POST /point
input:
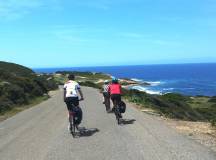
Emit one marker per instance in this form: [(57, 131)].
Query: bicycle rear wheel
[(118, 115), (73, 129)]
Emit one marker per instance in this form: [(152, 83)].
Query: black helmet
[(71, 77)]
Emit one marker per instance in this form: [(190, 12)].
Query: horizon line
[(126, 65)]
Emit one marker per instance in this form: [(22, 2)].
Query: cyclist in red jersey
[(115, 92)]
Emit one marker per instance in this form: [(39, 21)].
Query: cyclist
[(115, 93), (71, 98), (106, 95)]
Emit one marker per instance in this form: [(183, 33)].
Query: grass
[(17, 109), (82, 77)]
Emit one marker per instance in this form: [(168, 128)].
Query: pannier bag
[(77, 115), (122, 107)]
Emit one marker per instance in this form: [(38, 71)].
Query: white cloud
[(13, 9)]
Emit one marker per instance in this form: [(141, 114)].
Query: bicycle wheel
[(73, 128), (117, 114)]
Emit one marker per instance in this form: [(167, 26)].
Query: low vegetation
[(83, 76), (20, 85), (176, 106), (90, 84)]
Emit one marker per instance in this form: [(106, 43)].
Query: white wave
[(143, 89), (168, 89), (154, 83), (136, 80)]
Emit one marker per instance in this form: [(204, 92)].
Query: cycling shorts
[(116, 97), (71, 102)]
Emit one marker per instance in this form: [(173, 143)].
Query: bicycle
[(73, 120), (117, 112)]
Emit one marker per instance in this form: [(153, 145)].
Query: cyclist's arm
[(64, 95), (81, 94)]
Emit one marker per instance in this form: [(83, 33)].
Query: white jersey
[(71, 88), (106, 88)]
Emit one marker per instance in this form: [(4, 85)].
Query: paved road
[(40, 133)]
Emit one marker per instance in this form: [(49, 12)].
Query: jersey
[(106, 88), (71, 88), (115, 89)]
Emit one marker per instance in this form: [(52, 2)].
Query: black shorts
[(116, 97), (71, 102)]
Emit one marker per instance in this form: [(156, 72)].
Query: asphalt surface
[(41, 133)]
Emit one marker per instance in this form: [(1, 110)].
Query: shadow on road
[(127, 121), (87, 132)]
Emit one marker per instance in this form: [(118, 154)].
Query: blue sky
[(67, 33)]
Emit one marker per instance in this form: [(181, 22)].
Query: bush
[(213, 122), (212, 99), (89, 84), (5, 104), (16, 94), (18, 85)]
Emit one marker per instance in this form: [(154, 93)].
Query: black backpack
[(77, 115), (122, 107)]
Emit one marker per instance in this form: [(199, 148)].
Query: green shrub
[(213, 122), (212, 99), (90, 84), (18, 85)]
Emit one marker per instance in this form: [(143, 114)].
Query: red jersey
[(115, 89)]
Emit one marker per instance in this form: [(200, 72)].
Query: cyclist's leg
[(107, 101), (69, 102), (118, 99), (115, 105)]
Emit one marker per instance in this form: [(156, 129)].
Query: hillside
[(19, 85), (15, 69)]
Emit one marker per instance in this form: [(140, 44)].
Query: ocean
[(187, 79)]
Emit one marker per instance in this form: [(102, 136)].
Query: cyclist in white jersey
[(71, 98), (106, 95)]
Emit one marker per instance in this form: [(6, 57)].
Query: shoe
[(69, 127), (110, 111)]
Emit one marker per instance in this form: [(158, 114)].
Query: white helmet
[(106, 81)]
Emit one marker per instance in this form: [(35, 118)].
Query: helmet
[(71, 77), (106, 81), (114, 80)]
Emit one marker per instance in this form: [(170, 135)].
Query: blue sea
[(187, 79)]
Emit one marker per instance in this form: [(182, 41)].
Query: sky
[(73, 33)]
